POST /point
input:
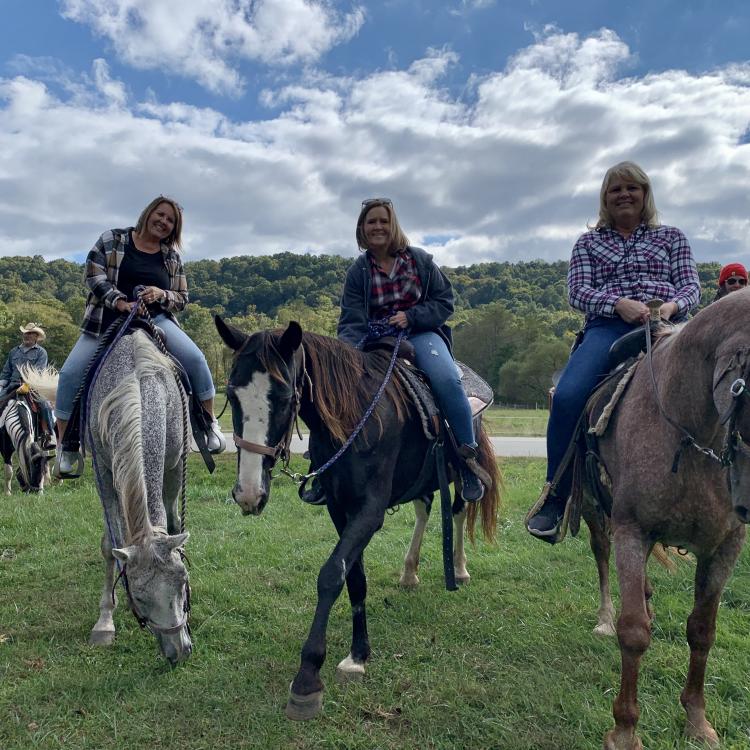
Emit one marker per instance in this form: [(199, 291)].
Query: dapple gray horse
[(677, 462), (137, 433)]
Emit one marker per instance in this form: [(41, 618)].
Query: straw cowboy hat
[(33, 328)]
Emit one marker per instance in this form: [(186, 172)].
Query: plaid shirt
[(101, 271), (652, 263), (398, 291)]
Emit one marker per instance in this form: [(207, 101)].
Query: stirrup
[(68, 474), (562, 525)]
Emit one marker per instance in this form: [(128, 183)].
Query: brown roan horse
[(703, 506)]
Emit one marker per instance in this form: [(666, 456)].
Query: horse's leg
[(409, 578), (459, 554), (103, 632), (8, 478), (353, 666), (600, 546), (306, 691), (633, 633), (710, 577)]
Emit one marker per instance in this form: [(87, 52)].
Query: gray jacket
[(432, 311), (36, 356)]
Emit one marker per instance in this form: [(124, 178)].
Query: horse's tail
[(121, 422), (489, 506), (43, 381)]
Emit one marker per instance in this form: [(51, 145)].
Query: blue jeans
[(434, 358), (178, 343), (587, 365)]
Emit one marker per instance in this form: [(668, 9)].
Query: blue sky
[(489, 123)]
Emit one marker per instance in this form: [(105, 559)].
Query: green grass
[(497, 421), (507, 662)]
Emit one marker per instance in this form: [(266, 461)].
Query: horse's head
[(263, 391), (157, 583), (731, 394)]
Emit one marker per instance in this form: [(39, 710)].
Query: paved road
[(504, 446)]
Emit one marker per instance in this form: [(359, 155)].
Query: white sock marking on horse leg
[(459, 553), (349, 669), (409, 576), (8, 478)]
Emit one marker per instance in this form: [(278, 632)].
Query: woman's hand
[(399, 320), (123, 306), (668, 309), (152, 294), (632, 311)]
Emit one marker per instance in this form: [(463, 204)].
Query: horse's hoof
[(605, 629), (705, 734), (615, 740), (349, 670), (101, 638), (408, 581), (463, 579), (303, 707)]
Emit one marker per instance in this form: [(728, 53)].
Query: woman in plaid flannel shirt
[(145, 255), (625, 261), (398, 283)]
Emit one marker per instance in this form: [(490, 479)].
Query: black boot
[(314, 494), (472, 488), (546, 518)]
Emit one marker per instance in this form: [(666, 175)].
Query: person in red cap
[(732, 278)]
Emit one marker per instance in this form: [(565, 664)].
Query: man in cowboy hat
[(28, 351)]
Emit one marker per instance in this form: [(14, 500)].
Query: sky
[(488, 123)]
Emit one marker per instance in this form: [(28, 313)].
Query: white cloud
[(207, 39), (512, 174)]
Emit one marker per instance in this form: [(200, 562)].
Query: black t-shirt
[(138, 268)]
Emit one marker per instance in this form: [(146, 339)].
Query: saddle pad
[(477, 390)]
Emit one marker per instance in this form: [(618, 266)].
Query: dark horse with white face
[(333, 384)]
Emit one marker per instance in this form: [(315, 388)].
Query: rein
[(733, 439)]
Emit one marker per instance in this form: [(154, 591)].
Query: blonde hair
[(397, 240), (628, 170), (174, 240)]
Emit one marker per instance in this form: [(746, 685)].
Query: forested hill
[(512, 321)]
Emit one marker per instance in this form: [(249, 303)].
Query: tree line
[(512, 322)]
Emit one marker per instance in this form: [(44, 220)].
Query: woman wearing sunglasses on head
[(145, 255), (732, 278), (627, 260), (399, 284)]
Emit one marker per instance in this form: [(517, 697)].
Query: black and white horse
[(332, 383), (20, 433)]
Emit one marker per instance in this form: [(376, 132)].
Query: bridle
[(733, 440), (281, 449), (147, 623)]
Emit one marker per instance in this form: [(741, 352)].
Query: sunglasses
[(732, 280), (376, 201)]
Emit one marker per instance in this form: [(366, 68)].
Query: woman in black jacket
[(400, 285)]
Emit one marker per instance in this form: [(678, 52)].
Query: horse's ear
[(123, 554), (177, 540), (232, 337), (290, 339)]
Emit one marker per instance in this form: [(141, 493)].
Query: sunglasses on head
[(732, 280), (376, 202)]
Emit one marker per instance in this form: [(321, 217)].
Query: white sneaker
[(215, 439), (68, 465)]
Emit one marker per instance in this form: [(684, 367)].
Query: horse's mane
[(120, 423), (344, 380)]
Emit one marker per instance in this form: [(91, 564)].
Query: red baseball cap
[(732, 269)]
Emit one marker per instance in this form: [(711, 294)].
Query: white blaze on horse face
[(256, 415)]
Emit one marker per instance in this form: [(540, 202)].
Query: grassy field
[(506, 422), (507, 662)]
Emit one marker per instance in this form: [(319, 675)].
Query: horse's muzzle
[(250, 503)]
